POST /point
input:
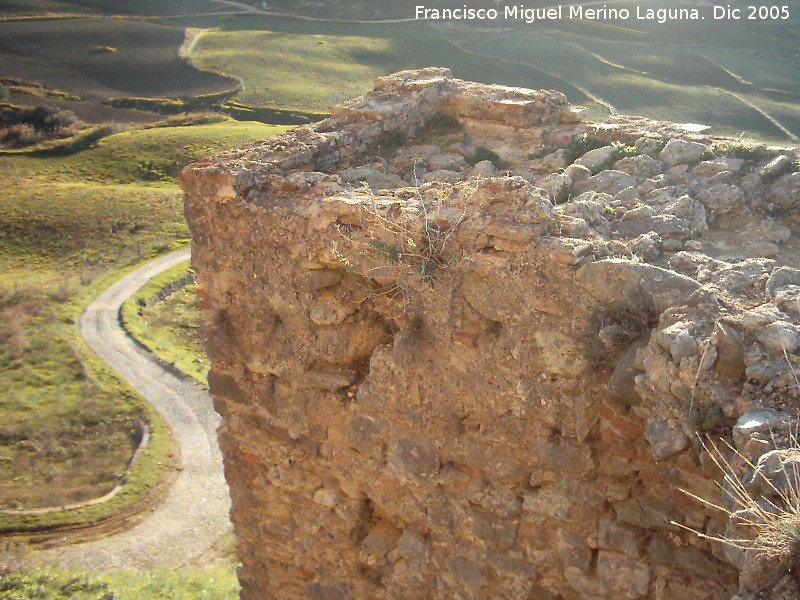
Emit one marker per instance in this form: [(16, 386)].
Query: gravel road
[(194, 514)]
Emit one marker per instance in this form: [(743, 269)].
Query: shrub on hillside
[(440, 124), (25, 126), (21, 134)]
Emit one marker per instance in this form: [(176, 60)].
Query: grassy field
[(104, 58), (50, 584), (644, 72), (60, 406), (298, 65), (652, 71), (68, 227), (170, 325)]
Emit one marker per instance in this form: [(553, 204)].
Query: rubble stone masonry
[(456, 359)]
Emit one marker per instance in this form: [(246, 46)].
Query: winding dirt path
[(194, 515)]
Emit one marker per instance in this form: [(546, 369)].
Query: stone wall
[(446, 381)]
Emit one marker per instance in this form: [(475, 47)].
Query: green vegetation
[(564, 195), (622, 150), (69, 226), (52, 584), (21, 127), (482, 153), (439, 124), (165, 317), (747, 150), (116, 159), (11, 85), (69, 421), (86, 138), (303, 72), (389, 141), (580, 146), (307, 66)]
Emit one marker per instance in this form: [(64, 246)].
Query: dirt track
[(194, 514)]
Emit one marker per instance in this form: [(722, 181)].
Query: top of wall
[(400, 104)]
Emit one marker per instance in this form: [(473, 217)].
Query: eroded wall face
[(450, 438)]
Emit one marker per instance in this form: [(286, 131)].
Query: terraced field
[(100, 58)]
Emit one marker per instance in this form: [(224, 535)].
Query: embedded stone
[(784, 193), (466, 571), (666, 438), (381, 539), (730, 365), (597, 157), (620, 282), (751, 425), (606, 182), (613, 535), (577, 172), (679, 151), (775, 168), (620, 575), (498, 532), (413, 458), (781, 278), (621, 386)]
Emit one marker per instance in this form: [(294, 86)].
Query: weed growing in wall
[(744, 149), (772, 520), (580, 146), (439, 124), (403, 240), (483, 153)]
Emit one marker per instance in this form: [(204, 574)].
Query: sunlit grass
[(301, 72), (172, 326), (54, 584)]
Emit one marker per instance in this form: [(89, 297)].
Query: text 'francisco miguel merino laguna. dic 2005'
[(521, 13)]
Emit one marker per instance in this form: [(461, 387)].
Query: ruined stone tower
[(440, 380)]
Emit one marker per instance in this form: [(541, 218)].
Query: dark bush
[(25, 126), (440, 124), (483, 153)]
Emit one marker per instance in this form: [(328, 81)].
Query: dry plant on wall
[(402, 242), (766, 509), (772, 520)]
